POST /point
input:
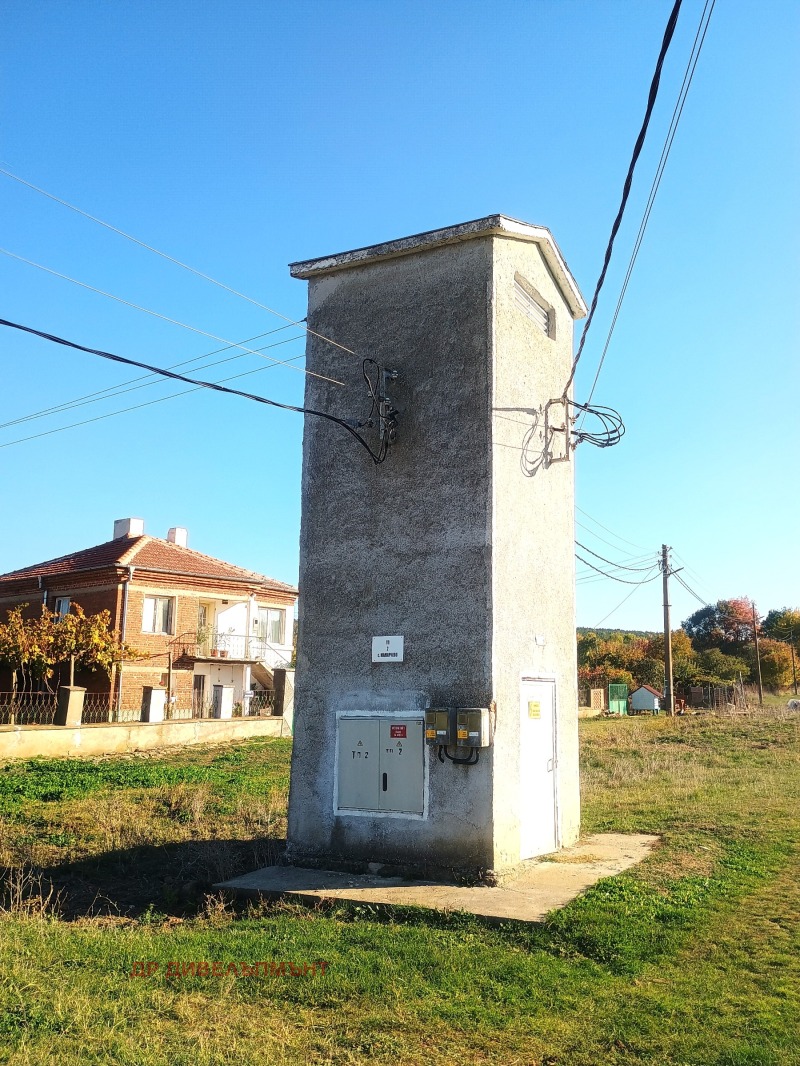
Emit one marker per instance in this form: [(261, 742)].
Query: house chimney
[(128, 527), (178, 535)]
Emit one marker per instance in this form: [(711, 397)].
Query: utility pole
[(790, 641), (668, 689), (758, 659)]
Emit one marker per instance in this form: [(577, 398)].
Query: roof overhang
[(491, 225)]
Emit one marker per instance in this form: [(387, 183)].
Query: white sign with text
[(387, 649)]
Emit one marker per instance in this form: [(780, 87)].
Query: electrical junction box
[(473, 729), (458, 727), (380, 765), (438, 727)]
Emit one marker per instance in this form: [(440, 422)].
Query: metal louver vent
[(531, 307)]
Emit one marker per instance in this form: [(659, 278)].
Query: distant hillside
[(609, 634)]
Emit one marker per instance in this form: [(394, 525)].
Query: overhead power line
[(157, 314), (134, 407), (621, 603), (348, 426), (611, 531), (691, 591), (598, 537), (688, 76), (694, 573), (618, 566), (172, 259), (611, 577), (146, 380), (626, 189)]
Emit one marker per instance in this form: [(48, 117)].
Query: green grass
[(52, 780), (690, 958)]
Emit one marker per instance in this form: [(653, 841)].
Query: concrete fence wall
[(31, 741)]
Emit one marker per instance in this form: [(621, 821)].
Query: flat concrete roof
[(526, 894), (491, 225)]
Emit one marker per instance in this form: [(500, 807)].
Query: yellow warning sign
[(463, 734), (534, 709)]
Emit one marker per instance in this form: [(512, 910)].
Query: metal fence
[(39, 708)]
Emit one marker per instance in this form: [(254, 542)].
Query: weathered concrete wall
[(399, 548), (533, 552), (447, 543), (28, 742)]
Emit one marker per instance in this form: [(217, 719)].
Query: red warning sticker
[(397, 732)]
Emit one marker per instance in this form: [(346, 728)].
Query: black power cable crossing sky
[(612, 577), (626, 189), (351, 427), (688, 77), (128, 386), (617, 566)]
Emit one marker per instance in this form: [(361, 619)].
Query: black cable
[(377, 457), (139, 406), (469, 761), (124, 387), (680, 580), (651, 100), (613, 427), (688, 77), (622, 580), (619, 566), (611, 531)]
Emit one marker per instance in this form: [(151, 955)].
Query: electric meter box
[(380, 765), (472, 727), (438, 725)]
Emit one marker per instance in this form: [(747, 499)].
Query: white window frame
[(273, 615), (59, 608), (153, 615)]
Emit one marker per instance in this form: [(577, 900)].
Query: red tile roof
[(147, 553)]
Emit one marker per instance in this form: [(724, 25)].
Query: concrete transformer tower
[(436, 721)]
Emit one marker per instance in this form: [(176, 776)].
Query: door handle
[(384, 782)]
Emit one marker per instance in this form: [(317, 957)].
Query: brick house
[(202, 621)]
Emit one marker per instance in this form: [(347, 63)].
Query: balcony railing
[(239, 646)]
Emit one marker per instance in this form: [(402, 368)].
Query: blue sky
[(238, 137)]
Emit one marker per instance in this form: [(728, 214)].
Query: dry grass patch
[(185, 803), (576, 859), (27, 892)]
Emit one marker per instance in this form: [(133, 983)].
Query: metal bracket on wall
[(387, 412), (551, 430)]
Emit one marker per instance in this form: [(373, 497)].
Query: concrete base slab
[(525, 894)]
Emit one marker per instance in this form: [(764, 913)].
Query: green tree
[(776, 663), (650, 672), (727, 623), (32, 647), (715, 667), (783, 624), (602, 676), (25, 647), (684, 658)]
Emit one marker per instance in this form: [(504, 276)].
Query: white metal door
[(401, 765), (538, 815), (359, 740)]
